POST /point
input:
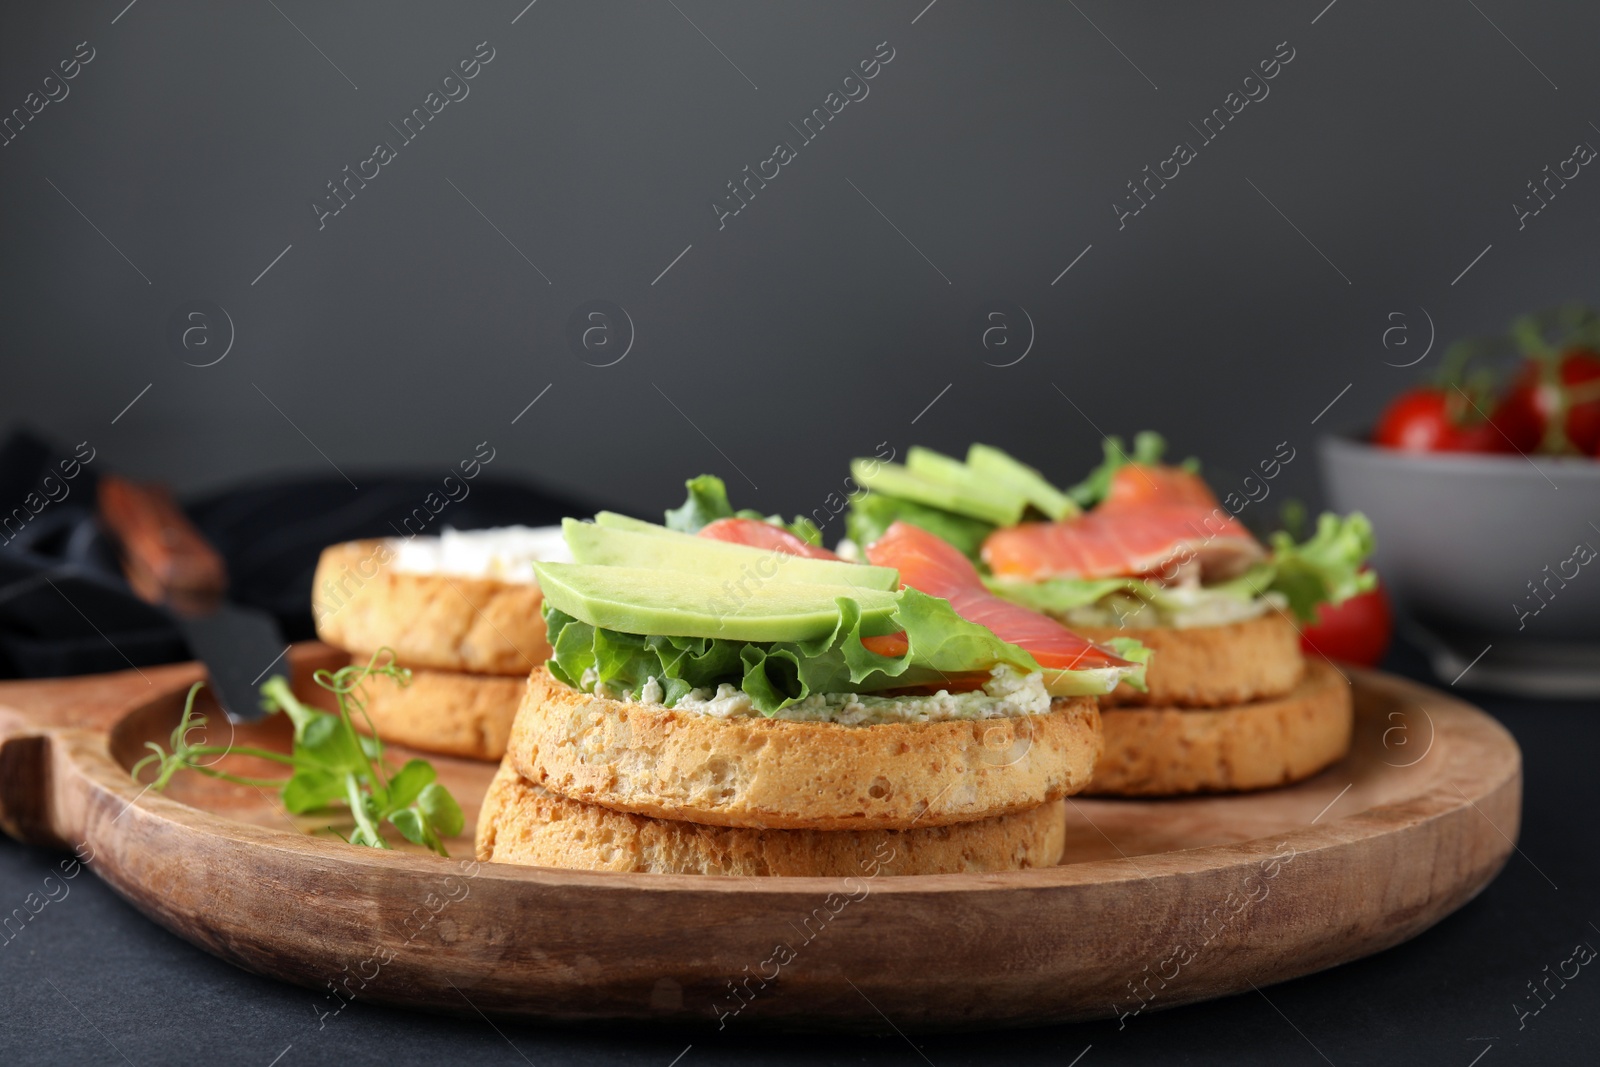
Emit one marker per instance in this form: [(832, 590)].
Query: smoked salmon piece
[(931, 565), (1139, 484), (758, 534), (1155, 522)]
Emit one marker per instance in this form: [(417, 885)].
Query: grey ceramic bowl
[(1485, 550)]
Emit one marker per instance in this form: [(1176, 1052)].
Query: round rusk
[(1170, 751), (444, 711), (441, 621), (522, 823), (1211, 666), (775, 774)]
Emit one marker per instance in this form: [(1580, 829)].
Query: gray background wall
[(826, 316)]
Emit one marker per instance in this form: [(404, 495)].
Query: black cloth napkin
[(65, 608)]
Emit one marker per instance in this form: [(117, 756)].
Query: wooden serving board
[(1157, 903)]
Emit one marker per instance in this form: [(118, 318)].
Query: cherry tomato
[(1538, 396), (1429, 420), (1523, 414), (1580, 373), (1357, 631)]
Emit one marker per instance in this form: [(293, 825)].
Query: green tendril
[(331, 764)]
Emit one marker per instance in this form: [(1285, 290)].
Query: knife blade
[(170, 564)]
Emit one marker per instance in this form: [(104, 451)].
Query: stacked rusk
[(1231, 703), (1140, 549), (461, 610), (737, 701)]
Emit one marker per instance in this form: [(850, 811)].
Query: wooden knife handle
[(166, 559)]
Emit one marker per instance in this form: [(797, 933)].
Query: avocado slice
[(1004, 469), (613, 520), (968, 496), (938, 467), (613, 547), (642, 600)]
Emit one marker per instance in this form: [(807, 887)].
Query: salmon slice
[(930, 565), (1139, 484), (1155, 522), (758, 534)]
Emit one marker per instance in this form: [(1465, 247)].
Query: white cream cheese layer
[(505, 553), (1180, 608), (1007, 694)]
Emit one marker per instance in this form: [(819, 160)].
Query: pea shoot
[(331, 763)]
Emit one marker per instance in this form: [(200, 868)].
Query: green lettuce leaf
[(1057, 596), (1252, 583), (1148, 448), (1325, 568), (801, 527), (1135, 651), (775, 675), (708, 502), (625, 662), (871, 516), (1135, 603)]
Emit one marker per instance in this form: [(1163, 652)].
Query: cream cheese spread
[(1008, 693), (505, 553)]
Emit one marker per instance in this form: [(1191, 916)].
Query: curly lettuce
[(1133, 601), (1326, 568), (1057, 596), (940, 644), (871, 516), (708, 502)]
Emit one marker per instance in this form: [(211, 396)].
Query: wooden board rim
[(80, 758)]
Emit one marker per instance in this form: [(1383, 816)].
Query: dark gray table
[(90, 980)]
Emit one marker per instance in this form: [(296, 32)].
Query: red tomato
[(1538, 396), (1426, 420), (1580, 373), (1357, 631), (1523, 414)]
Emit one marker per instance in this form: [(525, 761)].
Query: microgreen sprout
[(331, 763)]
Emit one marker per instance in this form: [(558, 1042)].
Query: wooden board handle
[(166, 559), (36, 713)]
